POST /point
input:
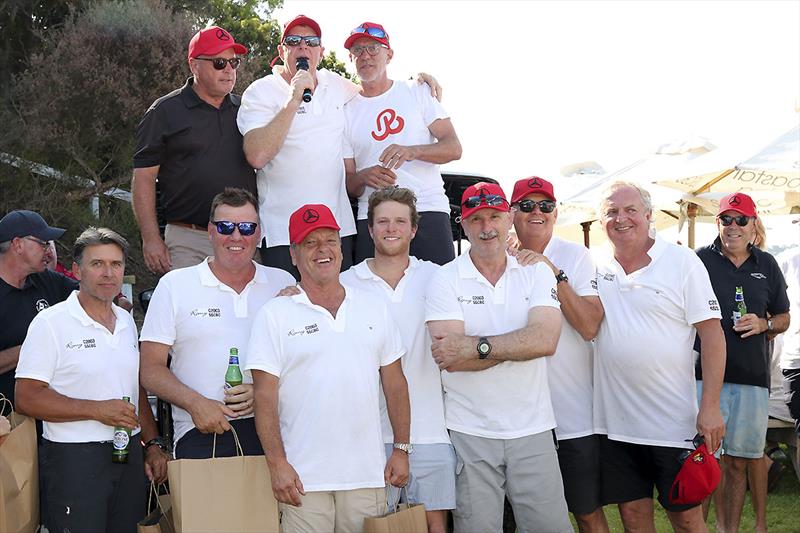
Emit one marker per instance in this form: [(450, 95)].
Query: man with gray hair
[(77, 367), (656, 297)]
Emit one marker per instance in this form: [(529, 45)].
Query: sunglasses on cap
[(491, 200), (374, 32), (220, 62), (226, 227), (545, 206), (741, 220), (372, 49), (311, 41), (696, 441)]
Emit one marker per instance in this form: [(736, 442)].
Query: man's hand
[(289, 290), (749, 325), (116, 413), (286, 484), (529, 257), (711, 426), (301, 81), (448, 349), (377, 177), (156, 256), (240, 399), (396, 471), (208, 416), (155, 464), (436, 89), (395, 155)]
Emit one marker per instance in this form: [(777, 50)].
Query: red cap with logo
[(483, 195), (308, 218), (739, 202), (697, 478), (532, 185), (211, 41), (302, 20), (368, 30)]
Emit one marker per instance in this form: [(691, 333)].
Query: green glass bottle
[(122, 441), (739, 307), (233, 376)]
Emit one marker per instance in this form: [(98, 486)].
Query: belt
[(189, 226)]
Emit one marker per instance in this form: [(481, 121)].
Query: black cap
[(22, 223)]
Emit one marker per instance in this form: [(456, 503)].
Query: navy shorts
[(579, 460)]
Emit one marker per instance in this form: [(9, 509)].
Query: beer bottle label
[(121, 439)]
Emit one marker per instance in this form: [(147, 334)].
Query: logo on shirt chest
[(41, 304), (608, 276), (758, 275), (474, 300), (305, 330), (80, 345), (211, 312), (387, 123)]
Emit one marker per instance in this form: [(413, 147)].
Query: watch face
[(483, 348)]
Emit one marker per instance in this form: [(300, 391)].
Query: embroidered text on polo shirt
[(303, 330), (79, 345), (211, 312), (475, 300)]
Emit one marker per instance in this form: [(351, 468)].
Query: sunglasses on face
[(226, 227), (220, 62), (741, 220), (374, 32), (491, 200), (372, 49), (545, 206), (311, 41)]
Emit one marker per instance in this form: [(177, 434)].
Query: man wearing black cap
[(189, 142), (26, 285)]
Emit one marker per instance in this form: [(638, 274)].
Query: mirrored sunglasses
[(741, 220), (545, 206), (226, 227), (220, 62), (374, 32), (311, 41), (491, 200)]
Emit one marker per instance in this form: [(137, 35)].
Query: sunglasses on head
[(220, 62), (311, 41), (545, 206), (741, 220), (374, 32), (226, 227), (491, 200)]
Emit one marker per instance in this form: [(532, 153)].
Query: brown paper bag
[(222, 494), (19, 474), (159, 519), (405, 518)]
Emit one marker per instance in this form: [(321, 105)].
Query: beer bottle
[(233, 376), (122, 441), (739, 308)]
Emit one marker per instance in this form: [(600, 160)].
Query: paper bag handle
[(154, 491), (239, 450), (3, 402), (396, 504)]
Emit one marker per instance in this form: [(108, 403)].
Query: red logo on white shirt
[(388, 122)]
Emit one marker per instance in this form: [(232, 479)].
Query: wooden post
[(587, 226), (691, 212)]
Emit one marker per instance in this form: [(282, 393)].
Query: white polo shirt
[(309, 167), (201, 318), (407, 307), (79, 358), (329, 385), (510, 399), (645, 390), (401, 116), (569, 371)]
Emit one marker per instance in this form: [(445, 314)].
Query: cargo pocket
[(463, 510)]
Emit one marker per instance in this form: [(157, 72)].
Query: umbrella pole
[(691, 212), (586, 228)]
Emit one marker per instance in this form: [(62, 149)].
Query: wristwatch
[(403, 447), (157, 441), (769, 324), (561, 276), (484, 348)]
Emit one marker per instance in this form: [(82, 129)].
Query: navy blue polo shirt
[(764, 289), (18, 307), (198, 149)]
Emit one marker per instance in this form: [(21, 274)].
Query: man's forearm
[(780, 323), (268, 424), (143, 194), (262, 144), (146, 419), (46, 404), (395, 389), (160, 380), (712, 360), (9, 359), (444, 151), (538, 339)]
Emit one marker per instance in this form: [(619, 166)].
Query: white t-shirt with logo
[(201, 318), (569, 371), (309, 167), (645, 389), (401, 116), (329, 384), (407, 307), (79, 358), (512, 398)]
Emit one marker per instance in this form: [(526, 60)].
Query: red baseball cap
[(738, 202), (532, 185), (368, 30), (697, 478), (211, 41), (484, 192), (301, 20), (308, 218)]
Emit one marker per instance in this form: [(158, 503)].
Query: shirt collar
[(191, 99), (208, 279), (468, 270), (79, 313), (363, 272), (716, 246)]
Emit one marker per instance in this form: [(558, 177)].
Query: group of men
[(535, 373)]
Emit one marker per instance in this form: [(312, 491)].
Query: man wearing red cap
[(493, 322), (397, 134), (293, 123), (189, 142), (319, 361), (569, 371), (751, 291)]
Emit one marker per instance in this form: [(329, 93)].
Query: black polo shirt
[(764, 289), (198, 149), (18, 307)]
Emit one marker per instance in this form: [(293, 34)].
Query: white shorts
[(432, 480)]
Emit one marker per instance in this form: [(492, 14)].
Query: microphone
[(302, 64)]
